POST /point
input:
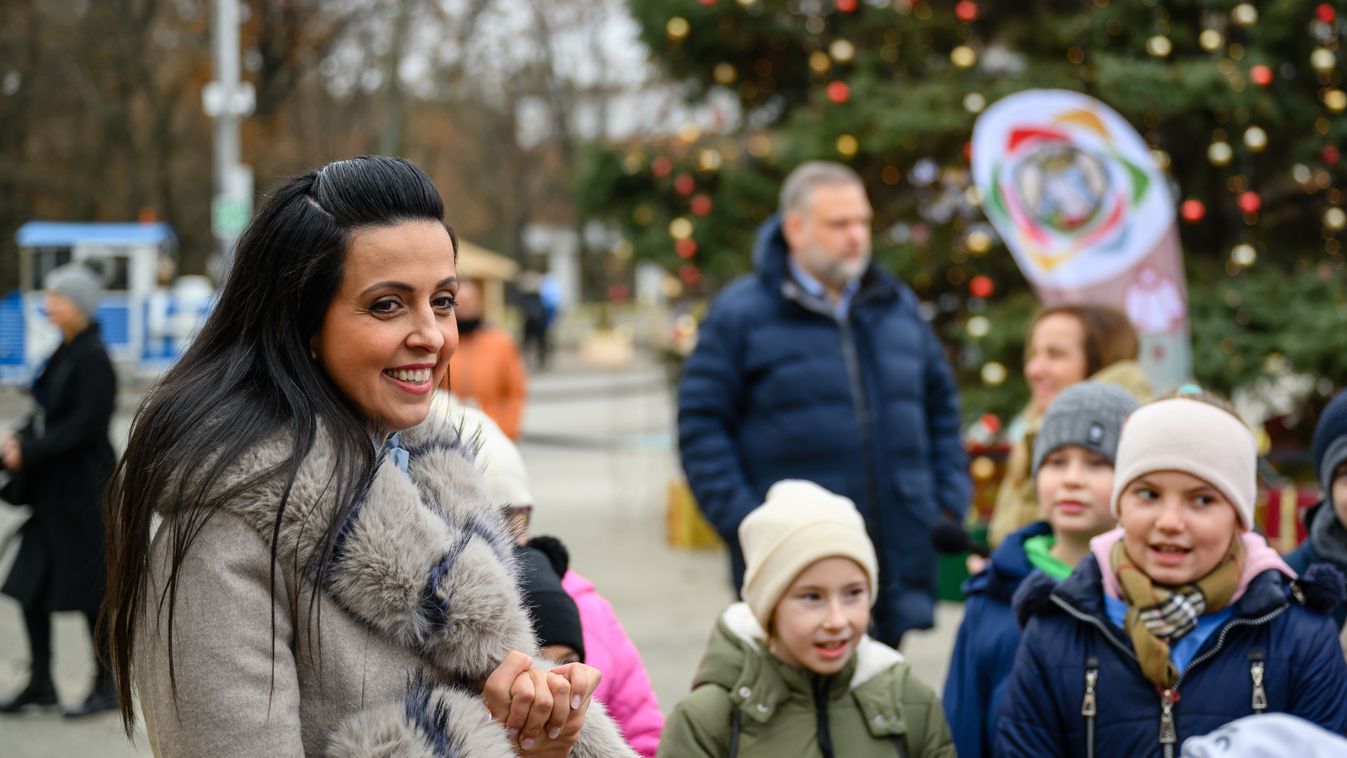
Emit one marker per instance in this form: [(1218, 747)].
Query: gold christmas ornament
[(677, 28), (1335, 100), (820, 62), (680, 228), (724, 73), (847, 145), (963, 56)]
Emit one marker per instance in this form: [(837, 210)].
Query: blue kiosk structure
[(145, 326)]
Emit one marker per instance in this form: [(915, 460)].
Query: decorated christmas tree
[(1241, 106)]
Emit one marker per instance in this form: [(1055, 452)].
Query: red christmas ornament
[(700, 205), (707, 3), (1192, 210), (981, 286), (661, 167), (686, 248), (1249, 202), (966, 10), (1325, 13), (1331, 155), (846, 6), (689, 274), (839, 92), (1261, 75), (684, 185)]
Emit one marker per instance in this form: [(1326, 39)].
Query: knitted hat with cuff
[(798, 524), (1330, 442), (1194, 437), (1088, 414)]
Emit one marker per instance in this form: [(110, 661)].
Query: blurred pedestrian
[(1073, 470), (790, 671), (61, 460), (1326, 522), (329, 577), (537, 321), (1067, 344), (820, 367), (625, 689), (486, 370), (1181, 620)]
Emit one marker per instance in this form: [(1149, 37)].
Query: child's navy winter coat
[(985, 646), (1077, 690)]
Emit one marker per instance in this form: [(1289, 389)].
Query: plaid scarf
[(1158, 616)]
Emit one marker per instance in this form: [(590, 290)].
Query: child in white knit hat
[(791, 670), (1182, 619)]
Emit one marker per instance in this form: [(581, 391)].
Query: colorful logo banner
[(1072, 189)]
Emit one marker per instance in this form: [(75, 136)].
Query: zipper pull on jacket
[(1256, 675), (1168, 733)]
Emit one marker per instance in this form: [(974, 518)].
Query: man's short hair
[(801, 182)]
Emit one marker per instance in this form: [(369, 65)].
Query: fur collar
[(424, 557)]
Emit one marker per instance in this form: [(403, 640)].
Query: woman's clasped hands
[(542, 709)]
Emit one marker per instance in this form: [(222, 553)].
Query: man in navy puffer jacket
[(819, 367)]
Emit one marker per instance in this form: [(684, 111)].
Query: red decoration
[(968, 150), (1192, 210), (684, 185), (661, 167), (1249, 202), (1326, 13), (846, 6), (839, 92), (701, 205), (1261, 75), (981, 286), (1331, 155), (686, 248), (618, 293), (689, 274), (967, 11)]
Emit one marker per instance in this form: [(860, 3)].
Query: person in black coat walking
[(60, 462)]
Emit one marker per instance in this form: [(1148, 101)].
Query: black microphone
[(950, 539)]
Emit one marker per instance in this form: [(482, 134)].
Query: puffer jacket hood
[(746, 702)]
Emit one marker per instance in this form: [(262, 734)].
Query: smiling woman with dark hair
[(329, 577)]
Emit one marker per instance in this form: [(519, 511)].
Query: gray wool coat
[(418, 607)]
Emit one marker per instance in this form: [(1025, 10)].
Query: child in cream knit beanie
[(798, 524)]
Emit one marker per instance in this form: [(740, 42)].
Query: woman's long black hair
[(249, 374)]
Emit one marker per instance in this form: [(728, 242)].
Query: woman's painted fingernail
[(554, 732), (527, 744), (575, 702)]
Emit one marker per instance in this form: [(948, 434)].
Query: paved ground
[(601, 453)]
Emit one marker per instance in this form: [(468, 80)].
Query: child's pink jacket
[(625, 689)]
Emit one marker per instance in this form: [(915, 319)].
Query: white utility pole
[(227, 100)]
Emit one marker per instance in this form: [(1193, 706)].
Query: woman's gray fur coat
[(419, 605)]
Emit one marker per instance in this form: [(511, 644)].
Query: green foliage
[(909, 104)]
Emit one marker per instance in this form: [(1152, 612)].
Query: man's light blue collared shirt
[(815, 288)]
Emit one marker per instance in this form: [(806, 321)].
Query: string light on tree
[(1243, 255), (1244, 15), (1261, 75), (1323, 60), (839, 92), (1192, 210), (847, 145), (963, 56), (966, 11), (1255, 138), (1249, 201), (1335, 100), (842, 51), (1159, 46), (1211, 40), (974, 102), (677, 28), (1335, 219), (1220, 153)]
